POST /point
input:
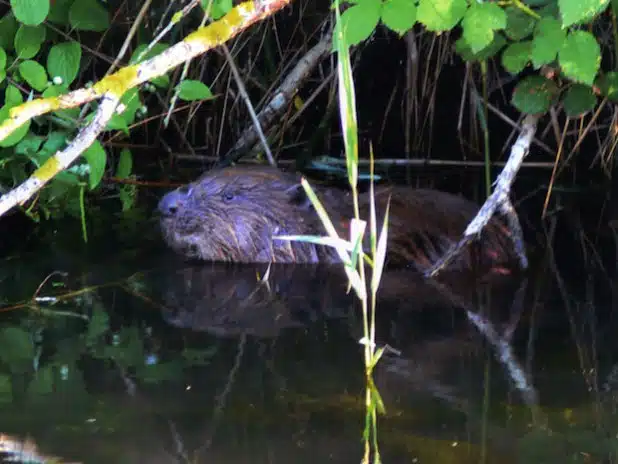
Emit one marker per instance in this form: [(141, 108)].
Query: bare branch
[(499, 199)]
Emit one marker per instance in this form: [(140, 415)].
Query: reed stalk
[(356, 261)]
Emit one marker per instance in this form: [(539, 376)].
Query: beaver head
[(231, 214)]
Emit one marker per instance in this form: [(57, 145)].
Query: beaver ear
[(298, 197)]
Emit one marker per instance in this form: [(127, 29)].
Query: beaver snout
[(173, 201)]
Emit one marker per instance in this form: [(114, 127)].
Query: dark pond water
[(128, 359)]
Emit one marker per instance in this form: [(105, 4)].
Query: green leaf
[(59, 12), (117, 122), (125, 164), (534, 94), (578, 100), (608, 85), (516, 56), (479, 24), (13, 96), (580, 11), (441, 15), (28, 41), (163, 82), (132, 102), (8, 29), (154, 51), (54, 141), (580, 57), (358, 22), (30, 12), (216, 8), (88, 15), (2, 59), (98, 326), (519, 24), (29, 145), (43, 382), (63, 61), (97, 159), (548, 39), (399, 15), (193, 90), (34, 74), (462, 47), (17, 349)]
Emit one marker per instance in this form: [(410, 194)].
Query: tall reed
[(357, 262)]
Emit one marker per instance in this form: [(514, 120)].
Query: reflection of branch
[(499, 200), (506, 356), (222, 397), (110, 89)]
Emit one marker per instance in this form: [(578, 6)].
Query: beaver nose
[(169, 204)]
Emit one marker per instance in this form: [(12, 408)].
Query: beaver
[(232, 214)]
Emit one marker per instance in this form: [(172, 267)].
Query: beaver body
[(232, 214)]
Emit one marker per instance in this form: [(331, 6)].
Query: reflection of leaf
[(99, 324), (17, 349), (43, 382), (6, 389), (155, 373), (128, 352), (199, 357), (571, 446), (57, 383), (68, 350)]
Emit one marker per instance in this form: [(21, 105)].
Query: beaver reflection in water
[(232, 214)]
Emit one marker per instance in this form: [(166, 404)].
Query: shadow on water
[(227, 363)]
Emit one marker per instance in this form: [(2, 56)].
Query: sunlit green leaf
[(358, 22), (516, 56), (480, 22), (97, 160), (580, 11), (580, 57), (194, 90), (34, 74), (399, 15), (30, 12), (441, 15), (548, 39), (125, 164), (28, 41), (63, 61)]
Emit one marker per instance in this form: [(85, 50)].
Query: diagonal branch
[(499, 200), (110, 89)]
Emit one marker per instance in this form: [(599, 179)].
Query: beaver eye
[(185, 189), (228, 196)]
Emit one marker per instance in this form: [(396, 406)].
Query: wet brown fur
[(232, 214)]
